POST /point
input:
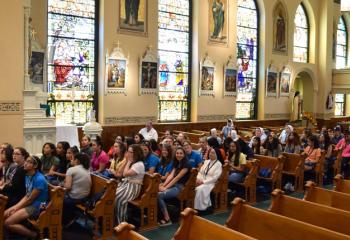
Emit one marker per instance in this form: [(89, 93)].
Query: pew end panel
[(249, 182), (294, 166), (125, 231), (276, 166), (3, 202), (341, 185), (219, 191), (147, 202), (188, 193)]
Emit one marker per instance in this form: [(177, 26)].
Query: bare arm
[(177, 178), (68, 183)]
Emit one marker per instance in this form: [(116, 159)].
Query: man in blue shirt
[(194, 158)]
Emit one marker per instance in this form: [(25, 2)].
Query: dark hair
[(154, 145), (74, 150), (213, 142), (147, 145), (122, 151), (314, 139), (140, 136), (237, 153), (138, 153), (166, 160), (65, 146), (52, 146), (23, 151), (129, 141), (37, 162), (87, 137), (327, 141), (271, 145), (296, 93), (83, 159), (183, 161), (178, 142), (98, 141), (295, 141), (170, 131), (121, 136), (8, 150), (227, 143), (256, 149)]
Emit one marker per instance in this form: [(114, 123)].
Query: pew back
[(327, 197), (192, 228), (313, 213), (341, 185), (125, 231), (188, 193), (220, 190), (293, 165), (266, 225), (276, 166), (3, 202)]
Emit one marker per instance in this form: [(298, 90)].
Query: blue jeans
[(168, 194), (345, 167), (236, 177), (69, 207)]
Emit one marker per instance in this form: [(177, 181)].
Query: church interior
[(187, 119)]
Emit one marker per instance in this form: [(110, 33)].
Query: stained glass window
[(174, 59), (342, 44), (301, 35), (339, 109), (247, 57), (71, 59)]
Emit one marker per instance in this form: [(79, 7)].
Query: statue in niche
[(280, 29)]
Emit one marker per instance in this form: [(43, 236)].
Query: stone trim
[(128, 120), (276, 116), (11, 108), (214, 118)]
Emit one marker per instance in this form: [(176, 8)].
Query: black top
[(16, 189), (185, 177), (87, 151)]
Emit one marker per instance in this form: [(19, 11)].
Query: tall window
[(339, 109), (301, 36), (71, 59), (174, 48), (247, 57), (342, 44)]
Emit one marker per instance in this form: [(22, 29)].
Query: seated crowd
[(25, 179)]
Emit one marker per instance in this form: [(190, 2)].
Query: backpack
[(91, 202), (265, 172)]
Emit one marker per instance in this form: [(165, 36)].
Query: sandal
[(164, 222)]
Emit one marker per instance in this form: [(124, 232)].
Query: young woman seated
[(117, 163), (165, 165), (292, 143), (130, 187), (272, 147), (49, 158), (85, 146), (237, 162), (31, 203), (8, 166), (256, 146), (77, 184), (99, 159), (206, 179), (151, 161), (313, 155), (57, 174), (174, 183)]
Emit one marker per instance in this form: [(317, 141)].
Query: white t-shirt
[(81, 182), (139, 168), (148, 135)]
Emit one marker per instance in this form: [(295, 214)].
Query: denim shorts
[(32, 211)]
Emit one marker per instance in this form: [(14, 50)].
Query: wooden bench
[(265, 225), (103, 212), (327, 197), (276, 166), (319, 169), (3, 202), (293, 165), (188, 193), (219, 192), (337, 162), (313, 213), (193, 137), (249, 183), (125, 231), (50, 219), (341, 185), (193, 227), (147, 202)]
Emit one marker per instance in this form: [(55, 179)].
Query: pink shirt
[(96, 160), (346, 148)]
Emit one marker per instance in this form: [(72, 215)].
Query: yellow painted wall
[(119, 106), (11, 68)]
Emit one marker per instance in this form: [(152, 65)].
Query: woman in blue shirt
[(166, 165), (30, 204), (151, 160)]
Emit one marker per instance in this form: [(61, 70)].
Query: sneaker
[(291, 188), (287, 186), (164, 223)]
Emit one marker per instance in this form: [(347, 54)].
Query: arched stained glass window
[(342, 44), (71, 59), (174, 49), (247, 57), (301, 35)]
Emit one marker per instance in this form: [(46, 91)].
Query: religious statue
[(329, 102), (219, 18), (280, 43), (132, 12), (296, 107)]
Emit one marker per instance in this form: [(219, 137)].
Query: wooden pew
[(319, 169), (327, 197), (219, 192), (125, 231), (249, 182), (193, 137), (207, 133), (104, 208), (147, 202), (293, 165), (316, 214), (337, 162), (3, 202), (341, 185), (276, 166), (188, 193), (51, 217), (265, 225), (193, 227)]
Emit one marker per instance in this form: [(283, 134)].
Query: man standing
[(149, 132)]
